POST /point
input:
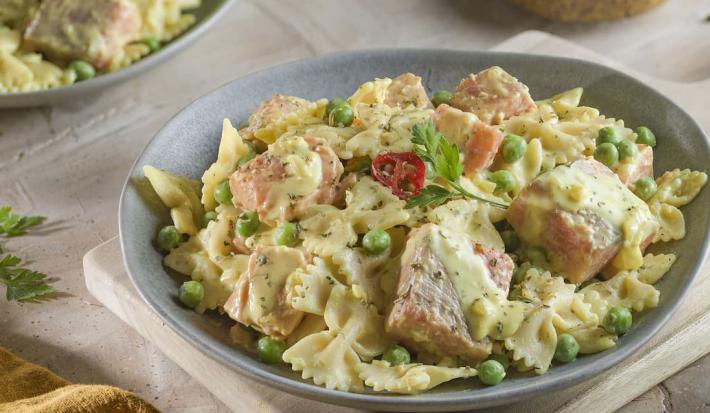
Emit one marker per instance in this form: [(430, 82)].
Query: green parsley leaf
[(445, 159), (429, 195), (22, 284), (13, 225)]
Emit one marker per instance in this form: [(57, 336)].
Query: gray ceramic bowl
[(188, 144), (206, 16)]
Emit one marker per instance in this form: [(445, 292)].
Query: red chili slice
[(402, 172)]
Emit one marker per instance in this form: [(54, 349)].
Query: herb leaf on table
[(13, 225), (22, 284)]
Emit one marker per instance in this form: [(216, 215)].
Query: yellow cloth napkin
[(29, 388)]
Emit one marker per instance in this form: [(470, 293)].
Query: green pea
[(191, 293), (440, 96), (251, 154), (153, 43), (502, 359), (645, 136), (270, 350), (608, 135), (334, 104), (513, 148), (208, 217), (607, 154), (617, 320), (567, 348), (491, 372), (645, 188), (359, 164), (627, 150), (222, 193), (376, 241), (536, 255), (247, 223), (510, 239), (341, 116), (287, 234), (168, 238), (84, 70), (504, 180), (396, 355)]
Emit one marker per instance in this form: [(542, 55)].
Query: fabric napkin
[(29, 388)]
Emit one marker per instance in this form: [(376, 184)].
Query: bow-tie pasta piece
[(326, 231), (310, 114), (231, 150), (470, 217), (180, 195), (311, 324), (408, 378), (192, 259), (571, 311), (328, 359), (334, 137), (671, 221), (679, 187), (534, 344), (309, 288), (623, 289), (654, 267), (390, 130), (358, 322), (593, 339)]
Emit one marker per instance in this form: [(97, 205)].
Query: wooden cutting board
[(683, 340)]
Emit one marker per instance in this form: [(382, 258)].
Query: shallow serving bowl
[(187, 145), (205, 16)]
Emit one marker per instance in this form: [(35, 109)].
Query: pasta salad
[(396, 241), (50, 43)]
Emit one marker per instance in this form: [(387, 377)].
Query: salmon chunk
[(573, 219), (267, 185), (270, 111), (259, 298), (641, 166), (429, 312), (493, 95), (407, 89), (70, 29), (478, 141)]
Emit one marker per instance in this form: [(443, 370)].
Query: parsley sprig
[(21, 284), (13, 225), (445, 160)]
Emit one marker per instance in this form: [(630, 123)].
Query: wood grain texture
[(69, 162)]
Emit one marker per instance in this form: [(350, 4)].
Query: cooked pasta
[(379, 242), (32, 61)]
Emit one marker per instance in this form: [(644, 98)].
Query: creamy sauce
[(304, 174), (605, 196), (273, 266), (485, 306)]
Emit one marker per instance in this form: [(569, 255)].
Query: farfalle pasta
[(36, 55), (394, 243)]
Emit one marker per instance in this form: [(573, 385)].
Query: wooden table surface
[(69, 162)]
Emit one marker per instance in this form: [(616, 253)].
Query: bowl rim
[(168, 51), (447, 401)]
